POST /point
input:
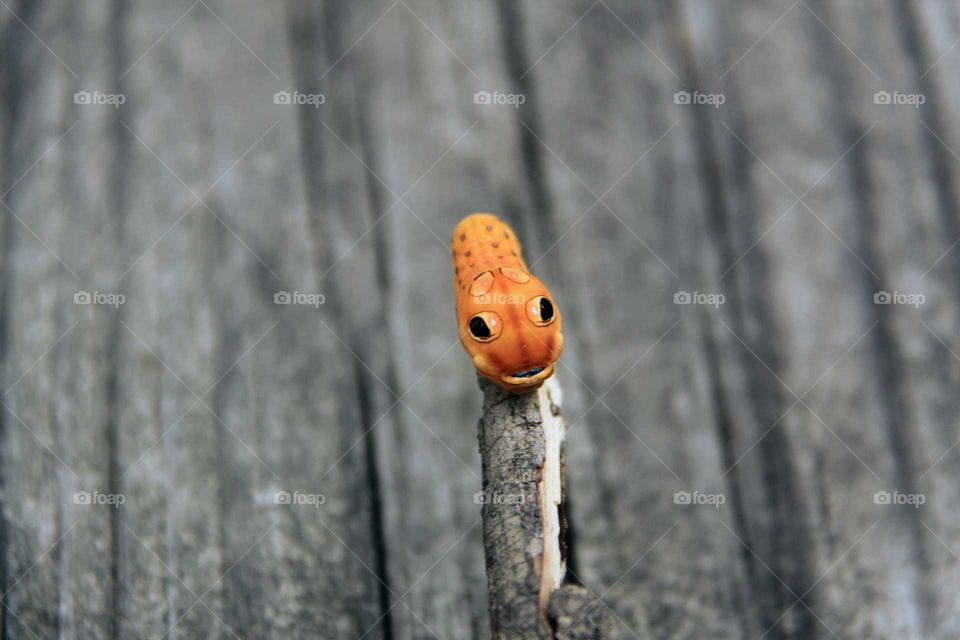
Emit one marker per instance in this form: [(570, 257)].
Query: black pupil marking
[(479, 328), (546, 309)]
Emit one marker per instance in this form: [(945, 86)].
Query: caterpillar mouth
[(528, 377)]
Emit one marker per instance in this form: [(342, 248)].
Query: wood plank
[(199, 399)]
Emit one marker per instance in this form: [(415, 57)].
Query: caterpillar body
[(508, 322)]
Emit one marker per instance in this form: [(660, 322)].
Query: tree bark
[(521, 440)]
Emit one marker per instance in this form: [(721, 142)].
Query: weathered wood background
[(198, 399)]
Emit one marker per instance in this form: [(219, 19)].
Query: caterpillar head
[(511, 327)]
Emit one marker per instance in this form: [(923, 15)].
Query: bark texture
[(521, 448)]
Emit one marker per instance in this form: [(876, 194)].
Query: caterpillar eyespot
[(482, 284), (485, 326), (509, 323), (540, 311), (515, 275)]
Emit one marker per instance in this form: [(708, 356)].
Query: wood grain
[(309, 469)]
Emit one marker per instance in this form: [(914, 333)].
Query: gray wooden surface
[(199, 400)]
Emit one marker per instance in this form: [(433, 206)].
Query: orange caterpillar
[(508, 322)]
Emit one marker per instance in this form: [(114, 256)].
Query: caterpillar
[(509, 324)]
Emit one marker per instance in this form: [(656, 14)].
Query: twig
[(521, 440)]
